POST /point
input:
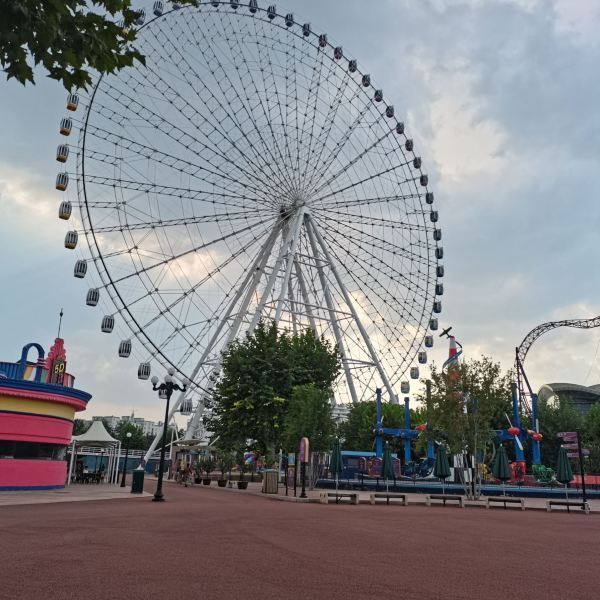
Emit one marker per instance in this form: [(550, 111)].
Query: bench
[(583, 505), (387, 496), (504, 500), (326, 497), (445, 498)]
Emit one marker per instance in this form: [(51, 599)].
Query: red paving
[(214, 544)]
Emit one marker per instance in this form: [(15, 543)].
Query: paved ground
[(71, 493), (224, 544)]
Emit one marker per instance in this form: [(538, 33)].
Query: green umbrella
[(500, 468), (335, 462), (441, 470), (564, 473), (387, 469)]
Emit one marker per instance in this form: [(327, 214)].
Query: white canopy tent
[(97, 436)]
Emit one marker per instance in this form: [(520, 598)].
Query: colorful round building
[(37, 406)]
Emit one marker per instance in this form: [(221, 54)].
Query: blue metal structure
[(406, 434)]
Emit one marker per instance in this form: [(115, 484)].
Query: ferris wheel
[(250, 170)]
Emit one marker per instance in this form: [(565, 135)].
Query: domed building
[(38, 402), (581, 397)]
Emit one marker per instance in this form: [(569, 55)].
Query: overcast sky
[(502, 99)]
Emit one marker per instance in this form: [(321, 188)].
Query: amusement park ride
[(524, 401), (515, 432)]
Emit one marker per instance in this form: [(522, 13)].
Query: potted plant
[(209, 465), (241, 484), (225, 466)]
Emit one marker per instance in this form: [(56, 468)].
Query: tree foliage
[(309, 415), (67, 38), (252, 396), (591, 437), (80, 426), (357, 432), (139, 440), (554, 417), (486, 391)]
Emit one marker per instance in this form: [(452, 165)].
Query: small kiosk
[(37, 406)]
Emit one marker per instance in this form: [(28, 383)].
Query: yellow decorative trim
[(37, 407)]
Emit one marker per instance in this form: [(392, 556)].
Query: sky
[(502, 99)]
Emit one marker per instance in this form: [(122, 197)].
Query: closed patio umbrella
[(335, 463), (501, 469), (564, 473), (387, 469), (441, 470)]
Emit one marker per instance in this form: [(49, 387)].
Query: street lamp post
[(165, 390), (128, 436)]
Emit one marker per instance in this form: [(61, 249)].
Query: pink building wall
[(32, 474)]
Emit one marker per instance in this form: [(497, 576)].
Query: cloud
[(23, 194)]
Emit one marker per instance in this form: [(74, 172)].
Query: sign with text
[(584, 452), (567, 436)]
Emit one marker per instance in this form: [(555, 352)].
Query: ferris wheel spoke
[(371, 177), (329, 122), (362, 283), (259, 159), (232, 216), (348, 203), (277, 100), (148, 152), (168, 128), (171, 161), (354, 161), (315, 83), (351, 305), (213, 123), (189, 292), (337, 216), (272, 97), (366, 244), (176, 192), (372, 263), (340, 147), (202, 246)]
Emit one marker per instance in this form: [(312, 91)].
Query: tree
[(67, 39), (108, 428), (591, 437), (80, 426), (309, 415), (485, 389), (555, 417), (252, 395), (138, 440), (357, 432)]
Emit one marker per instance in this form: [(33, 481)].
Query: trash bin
[(269, 485), (137, 483)]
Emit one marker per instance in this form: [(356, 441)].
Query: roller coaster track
[(530, 339)]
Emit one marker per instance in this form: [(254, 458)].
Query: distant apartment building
[(148, 427)]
